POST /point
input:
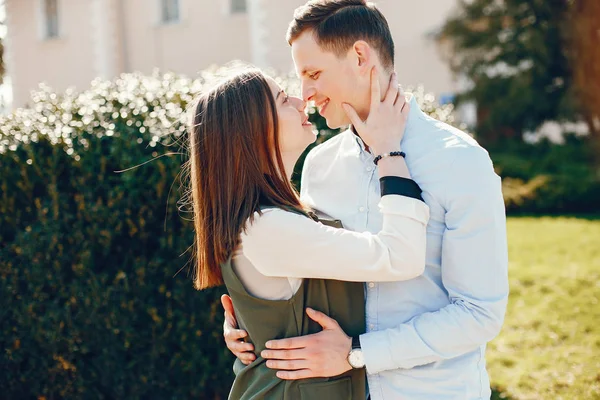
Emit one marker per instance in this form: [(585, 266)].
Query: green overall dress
[(275, 319)]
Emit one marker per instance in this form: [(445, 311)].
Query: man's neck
[(367, 148)]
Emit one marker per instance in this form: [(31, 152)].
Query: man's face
[(329, 80)]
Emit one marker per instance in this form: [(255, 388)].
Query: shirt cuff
[(395, 348), (398, 185), (394, 204), (377, 353)]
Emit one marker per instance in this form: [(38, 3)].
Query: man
[(426, 337)]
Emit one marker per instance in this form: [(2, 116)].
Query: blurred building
[(70, 42)]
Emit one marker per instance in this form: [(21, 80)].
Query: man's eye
[(314, 75), (286, 98)]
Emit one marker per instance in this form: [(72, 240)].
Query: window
[(170, 11), (50, 15), (238, 6)]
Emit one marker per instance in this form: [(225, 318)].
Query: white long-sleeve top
[(279, 248)]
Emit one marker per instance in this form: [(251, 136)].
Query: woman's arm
[(284, 244)]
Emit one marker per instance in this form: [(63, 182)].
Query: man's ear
[(363, 54)]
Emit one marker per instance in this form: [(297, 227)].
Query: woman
[(254, 234)]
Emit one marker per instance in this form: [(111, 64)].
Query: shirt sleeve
[(285, 244), (474, 272)]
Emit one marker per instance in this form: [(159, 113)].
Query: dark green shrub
[(90, 304), (549, 178)]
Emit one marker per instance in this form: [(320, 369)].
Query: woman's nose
[(299, 103)]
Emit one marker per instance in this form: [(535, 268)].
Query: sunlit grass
[(549, 347)]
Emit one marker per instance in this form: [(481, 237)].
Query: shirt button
[(371, 285), (361, 209), (369, 169), (371, 326)]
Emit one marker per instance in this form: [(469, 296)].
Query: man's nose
[(308, 92)]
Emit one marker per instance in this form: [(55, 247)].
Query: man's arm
[(474, 272)]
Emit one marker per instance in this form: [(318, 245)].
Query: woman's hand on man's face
[(384, 127)]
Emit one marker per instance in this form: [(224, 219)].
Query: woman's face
[(295, 132)]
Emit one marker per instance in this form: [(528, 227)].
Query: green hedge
[(91, 306), (546, 178), (97, 301)]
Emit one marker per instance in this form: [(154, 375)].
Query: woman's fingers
[(400, 101), (392, 92), (352, 115), (375, 90), (405, 111), (401, 96)]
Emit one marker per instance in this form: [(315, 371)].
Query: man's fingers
[(322, 319), (352, 115), (245, 356), (239, 346), (292, 375), (234, 334), (375, 90), (392, 92), (230, 321), (287, 365), (229, 311), (298, 342), (295, 354)]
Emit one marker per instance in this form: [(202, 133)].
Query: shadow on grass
[(499, 394)]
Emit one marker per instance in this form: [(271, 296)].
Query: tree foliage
[(518, 56)]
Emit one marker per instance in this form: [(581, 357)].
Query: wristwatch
[(355, 357)]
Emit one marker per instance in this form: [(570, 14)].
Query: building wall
[(417, 60), (107, 37), (62, 62), (207, 34)]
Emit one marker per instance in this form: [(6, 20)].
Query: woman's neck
[(289, 162)]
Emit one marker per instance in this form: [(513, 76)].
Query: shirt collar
[(415, 111)]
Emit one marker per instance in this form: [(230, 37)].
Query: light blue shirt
[(426, 337)]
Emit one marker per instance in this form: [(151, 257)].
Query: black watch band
[(356, 342)]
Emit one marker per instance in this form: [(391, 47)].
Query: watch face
[(356, 359)]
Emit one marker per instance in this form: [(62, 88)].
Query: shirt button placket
[(372, 295)]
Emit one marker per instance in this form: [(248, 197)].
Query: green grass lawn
[(549, 347)]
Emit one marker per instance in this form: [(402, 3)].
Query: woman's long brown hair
[(233, 138)]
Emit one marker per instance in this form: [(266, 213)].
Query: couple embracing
[(387, 275)]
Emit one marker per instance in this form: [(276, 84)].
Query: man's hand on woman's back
[(234, 338)]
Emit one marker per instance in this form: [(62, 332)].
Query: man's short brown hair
[(338, 24)]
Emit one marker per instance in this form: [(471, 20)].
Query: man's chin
[(336, 123)]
